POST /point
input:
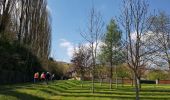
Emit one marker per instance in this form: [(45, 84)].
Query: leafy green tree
[(111, 47), (123, 72), (157, 74), (80, 60)]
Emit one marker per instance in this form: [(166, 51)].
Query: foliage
[(111, 49), (101, 71), (17, 63), (60, 69), (123, 71), (112, 43), (81, 60), (157, 74), (25, 39)]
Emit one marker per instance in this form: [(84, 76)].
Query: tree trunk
[(137, 88), (169, 64), (93, 77), (122, 82), (132, 82), (139, 84), (101, 81), (116, 77), (116, 81), (92, 83), (82, 79), (111, 76), (82, 83), (110, 83)]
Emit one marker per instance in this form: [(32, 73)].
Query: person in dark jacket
[(48, 75)]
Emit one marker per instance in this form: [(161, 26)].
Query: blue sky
[(70, 17)]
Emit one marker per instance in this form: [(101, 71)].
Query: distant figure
[(48, 75), (43, 77), (36, 76), (52, 77)]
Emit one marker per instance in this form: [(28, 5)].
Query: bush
[(147, 82), (17, 64)]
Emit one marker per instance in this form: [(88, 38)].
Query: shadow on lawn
[(100, 96), (20, 96), (155, 91), (117, 97), (48, 91)]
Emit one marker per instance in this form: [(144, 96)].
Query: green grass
[(72, 90)]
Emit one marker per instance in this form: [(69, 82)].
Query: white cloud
[(65, 43), (70, 51), (144, 36), (133, 36), (100, 44), (68, 46)]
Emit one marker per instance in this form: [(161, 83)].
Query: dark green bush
[(17, 64)]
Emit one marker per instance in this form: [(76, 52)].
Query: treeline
[(25, 39)]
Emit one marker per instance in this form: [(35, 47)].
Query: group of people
[(45, 77)]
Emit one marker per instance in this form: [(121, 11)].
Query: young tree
[(134, 19), (101, 68), (81, 61), (161, 29), (112, 45), (157, 74), (93, 37), (123, 72), (129, 73)]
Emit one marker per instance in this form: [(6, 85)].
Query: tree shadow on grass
[(117, 97), (100, 96), (62, 87), (10, 88), (48, 91), (57, 89), (117, 93), (155, 91), (20, 96)]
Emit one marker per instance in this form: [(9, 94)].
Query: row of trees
[(28, 23), (143, 42), (25, 27)]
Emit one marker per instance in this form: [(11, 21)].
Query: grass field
[(72, 90)]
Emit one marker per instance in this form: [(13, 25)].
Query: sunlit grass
[(71, 90)]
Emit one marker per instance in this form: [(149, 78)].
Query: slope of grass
[(71, 90)]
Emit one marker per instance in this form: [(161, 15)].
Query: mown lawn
[(72, 90)]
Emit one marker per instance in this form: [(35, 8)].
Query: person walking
[(48, 75), (43, 77), (52, 77), (36, 76)]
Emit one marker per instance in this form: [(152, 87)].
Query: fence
[(128, 81), (164, 82)]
